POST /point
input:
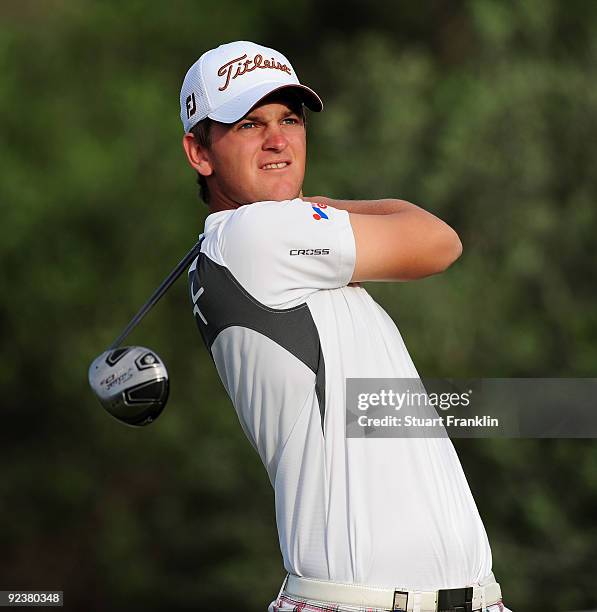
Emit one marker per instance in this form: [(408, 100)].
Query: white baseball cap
[(226, 82)]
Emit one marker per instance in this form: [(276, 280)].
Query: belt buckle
[(455, 600), (400, 600)]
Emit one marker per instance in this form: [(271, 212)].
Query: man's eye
[(248, 124), (291, 120)]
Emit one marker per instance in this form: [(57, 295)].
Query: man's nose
[(274, 139)]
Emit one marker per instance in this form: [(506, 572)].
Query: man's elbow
[(449, 249), (443, 248)]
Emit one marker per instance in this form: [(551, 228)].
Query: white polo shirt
[(272, 302)]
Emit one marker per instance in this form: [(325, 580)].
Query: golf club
[(131, 382)]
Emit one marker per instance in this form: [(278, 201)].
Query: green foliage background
[(482, 111)]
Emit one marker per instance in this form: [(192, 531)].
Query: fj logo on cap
[(191, 105), (248, 66)]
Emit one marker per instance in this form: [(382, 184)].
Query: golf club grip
[(158, 293)]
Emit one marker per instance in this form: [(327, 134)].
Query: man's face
[(242, 155)]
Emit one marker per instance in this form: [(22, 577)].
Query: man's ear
[(197, 155)]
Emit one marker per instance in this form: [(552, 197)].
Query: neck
[(219, 201)]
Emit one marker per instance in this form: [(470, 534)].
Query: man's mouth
[(275, 166)]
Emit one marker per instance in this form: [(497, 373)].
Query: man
[(384, 524)]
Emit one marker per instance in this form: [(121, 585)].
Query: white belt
[(483, 595)]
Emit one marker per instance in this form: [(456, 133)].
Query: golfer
[(363, 524)]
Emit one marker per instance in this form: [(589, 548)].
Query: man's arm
[(396, 240)]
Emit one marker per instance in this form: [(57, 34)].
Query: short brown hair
[(202, 134)]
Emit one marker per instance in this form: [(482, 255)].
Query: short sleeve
[(283, 251)]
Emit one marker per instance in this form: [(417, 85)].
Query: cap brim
[(238, 107)]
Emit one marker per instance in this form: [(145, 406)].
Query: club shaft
[(157, 294)]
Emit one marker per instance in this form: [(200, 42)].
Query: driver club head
[(131, 383)]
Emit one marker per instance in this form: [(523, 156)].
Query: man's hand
[(396, 240)]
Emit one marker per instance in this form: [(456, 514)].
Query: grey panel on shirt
[(225, 303)]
